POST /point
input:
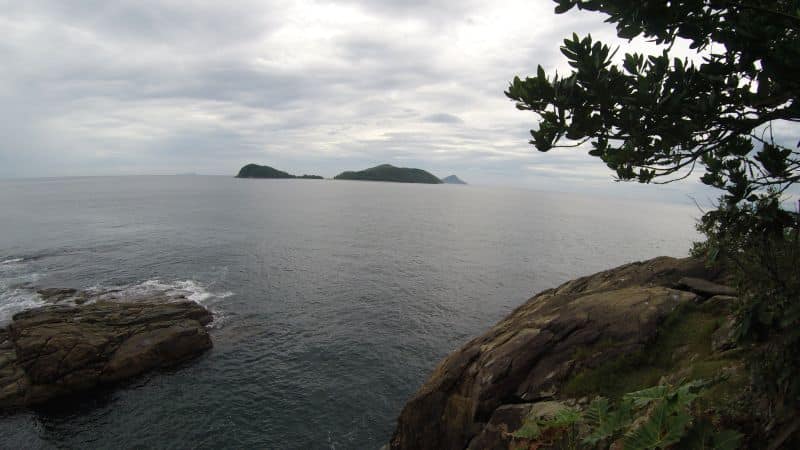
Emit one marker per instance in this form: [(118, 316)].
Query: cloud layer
[(145, 86)]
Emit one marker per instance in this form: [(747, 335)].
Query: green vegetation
[(256, 171), (657, 119), (683, 345), (388, 172), (658, 417)]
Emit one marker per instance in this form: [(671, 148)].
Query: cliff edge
[(657, 322)]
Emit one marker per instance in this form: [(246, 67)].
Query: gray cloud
[(443, 118), (146, 86)]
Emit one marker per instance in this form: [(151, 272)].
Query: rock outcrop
[(57, 349), (481, 393)]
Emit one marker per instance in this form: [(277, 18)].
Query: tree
[(658, 119), (655, 119)]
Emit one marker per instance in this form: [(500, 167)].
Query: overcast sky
[(100, 87)]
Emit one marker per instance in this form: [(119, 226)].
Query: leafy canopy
[(655, 119)]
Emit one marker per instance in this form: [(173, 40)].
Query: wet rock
[(704, 287), (57, 350), (55, 295)]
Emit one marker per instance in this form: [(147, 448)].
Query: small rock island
[(388, 172), (63, 349), (452, 179), (256, 171)]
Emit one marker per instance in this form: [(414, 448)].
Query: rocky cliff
[(61, 349), (614, 332)]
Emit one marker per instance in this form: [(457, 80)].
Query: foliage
[(761, 243), (604, 422), (656, 119), (654, 418), (388, 172), (669, 416)]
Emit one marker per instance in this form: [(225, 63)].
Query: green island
[(256, 171), (388, 172)]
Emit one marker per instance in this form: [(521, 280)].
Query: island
[(256, 171), (452, 179), (388, 172)]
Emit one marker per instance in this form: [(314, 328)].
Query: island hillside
[(256, 171), (388, 172), (452, 179)]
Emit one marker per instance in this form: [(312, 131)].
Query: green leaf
[(644, 397), (727, 440), (563, 6)]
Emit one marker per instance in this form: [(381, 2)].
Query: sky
[(126, 87)]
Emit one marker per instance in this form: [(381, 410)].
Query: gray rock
[(55, 295), (57, 350), (704, 287), (533, 351), (725, 336)]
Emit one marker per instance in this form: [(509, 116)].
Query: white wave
[(11, 261), (176, 290), (17, 293), (13, 301), (169, 291)]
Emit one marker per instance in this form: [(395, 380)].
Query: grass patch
[(683, 345)]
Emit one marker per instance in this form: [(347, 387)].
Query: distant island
[(452, 179), (256, 171), (388, 172)]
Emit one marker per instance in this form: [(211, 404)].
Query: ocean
[(333, 300)]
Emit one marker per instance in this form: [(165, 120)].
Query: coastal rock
[(528, 356), (55, 295), (57, 349), (705, 288), (388, 172)]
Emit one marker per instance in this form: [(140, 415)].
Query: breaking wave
[(18, 292)]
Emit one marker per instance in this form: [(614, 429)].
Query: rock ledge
[(479, 394), (57, 350)]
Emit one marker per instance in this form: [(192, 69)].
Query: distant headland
[(256, 171), (388, 172), (452, 179)]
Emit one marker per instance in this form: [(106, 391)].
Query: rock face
[(56, 350), (705, 287), (484, 389)]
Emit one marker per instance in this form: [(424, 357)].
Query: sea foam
[(18, 292)]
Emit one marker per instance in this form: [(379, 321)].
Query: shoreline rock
[(57, 350), (556, 346)]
